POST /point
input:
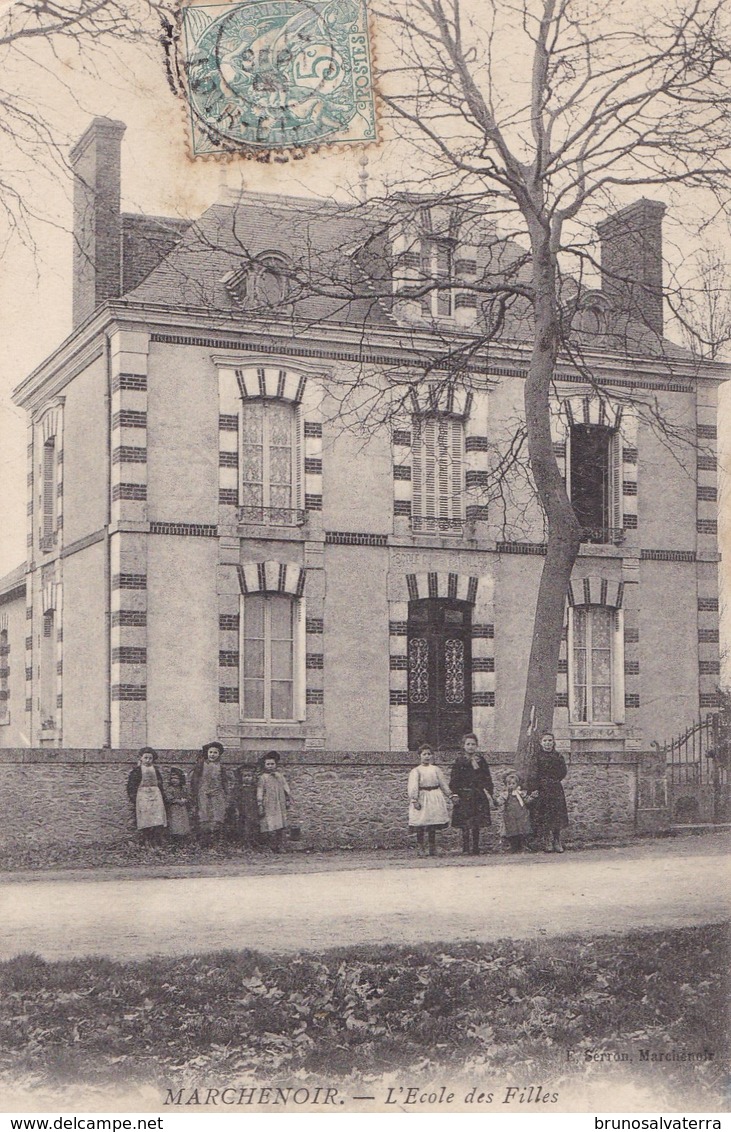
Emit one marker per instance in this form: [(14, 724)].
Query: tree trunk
[(563, 528)]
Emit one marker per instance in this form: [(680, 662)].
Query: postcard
[(364, 693)]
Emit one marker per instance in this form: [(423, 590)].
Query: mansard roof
[(339, 263)]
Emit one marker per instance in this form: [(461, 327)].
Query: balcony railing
[(47, 542), (270, 516), (612, 536), (423, 524)]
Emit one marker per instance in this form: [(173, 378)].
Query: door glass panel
[(418, 670), (454, 671)]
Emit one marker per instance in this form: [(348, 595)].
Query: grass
[(510, 1008)]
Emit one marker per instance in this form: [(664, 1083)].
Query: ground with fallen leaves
[(515, 1010)]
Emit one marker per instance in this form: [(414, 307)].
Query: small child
[(178, 798), (516, 815), (273, 797)]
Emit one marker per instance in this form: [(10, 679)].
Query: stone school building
[(251, 518)]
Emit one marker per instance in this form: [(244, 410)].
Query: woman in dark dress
[(472, 792), (551, 815)]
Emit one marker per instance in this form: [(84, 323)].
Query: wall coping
[(80, 756)]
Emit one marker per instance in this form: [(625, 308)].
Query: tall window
[(439, 672), (4, 674), (268, 657), (270, 477), (49, 495), (437, 473), (438, 266), (593, 629), (593, 478)]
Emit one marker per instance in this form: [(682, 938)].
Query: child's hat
[(510, 773), (176, 772), (216, 746)]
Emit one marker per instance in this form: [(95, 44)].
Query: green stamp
[(276, 75)]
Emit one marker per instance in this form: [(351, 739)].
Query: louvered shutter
[(615, 480), (49, 488), (457, 469), (443, 462), (430, 442), (298, 471)]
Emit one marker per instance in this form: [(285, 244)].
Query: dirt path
[(664, 884)]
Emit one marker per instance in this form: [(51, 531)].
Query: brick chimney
[(631, 259), (96, 163)]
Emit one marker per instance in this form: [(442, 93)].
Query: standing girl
[(209, 787), (472, 794), (429, 796), (272, 799), (145, 792), (551, 813)]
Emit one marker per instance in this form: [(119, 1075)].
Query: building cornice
[(408, 347)]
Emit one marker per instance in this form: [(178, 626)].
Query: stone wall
[(341, 800)]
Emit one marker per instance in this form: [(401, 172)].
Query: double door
[(439, 672)]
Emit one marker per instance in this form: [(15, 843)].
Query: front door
[(439, 672)]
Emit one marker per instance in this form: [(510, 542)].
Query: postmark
[(262, 76)]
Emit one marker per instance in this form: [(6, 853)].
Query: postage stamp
[(276, 75)]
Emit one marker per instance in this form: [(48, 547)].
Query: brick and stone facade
[(142, 557)]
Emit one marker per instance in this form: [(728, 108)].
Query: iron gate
[(697, 764)]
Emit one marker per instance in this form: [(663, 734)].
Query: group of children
[(470, 796), (179, 811), (465, 802)]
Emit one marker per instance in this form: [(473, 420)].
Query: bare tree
[(545, 110), (38, 41), (703, 308)]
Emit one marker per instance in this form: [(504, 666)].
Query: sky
[(158, 177)]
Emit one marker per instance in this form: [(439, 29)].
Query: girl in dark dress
[(551, 815), (472, 793)]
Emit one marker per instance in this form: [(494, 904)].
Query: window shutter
[(615, 479), (298, 463), (430, 458), (571, 664), (457, 444), (300, 649), (49, 487), (618, 667), (444, 468), (426, 278), (417, 469)]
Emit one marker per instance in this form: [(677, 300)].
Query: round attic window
[(270, 279), (265, 281)]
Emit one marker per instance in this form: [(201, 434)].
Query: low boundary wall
[(341, 799)]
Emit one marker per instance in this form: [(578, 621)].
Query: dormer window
[(263, 282)]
